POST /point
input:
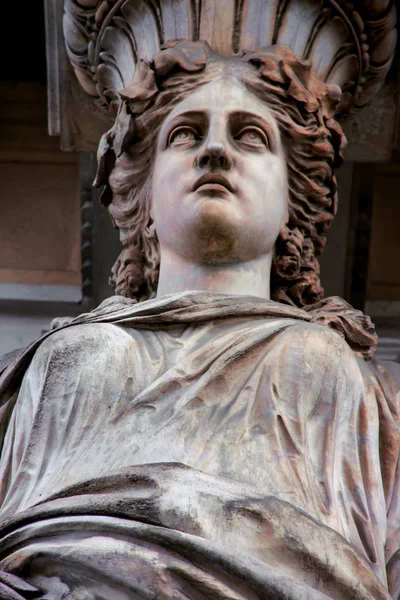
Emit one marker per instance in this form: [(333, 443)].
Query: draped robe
[(200, 446)]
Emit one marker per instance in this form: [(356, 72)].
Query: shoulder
[(86, 333), (84, 340), (317, 351), (317, 340)]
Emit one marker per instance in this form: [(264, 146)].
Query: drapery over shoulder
[(201, 445)]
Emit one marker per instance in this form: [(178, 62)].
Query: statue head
[(290, 205)]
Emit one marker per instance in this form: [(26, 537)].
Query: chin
[(217, 212), (216, 232), (209, 238)]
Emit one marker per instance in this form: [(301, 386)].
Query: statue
[(215, 430)]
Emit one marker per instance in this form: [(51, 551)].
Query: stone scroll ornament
[(350, 44)]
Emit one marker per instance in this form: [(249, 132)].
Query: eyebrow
[(248, 115), (195, 114), (188, 115)]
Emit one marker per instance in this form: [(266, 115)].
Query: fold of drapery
[(241, 389), (168, 531)]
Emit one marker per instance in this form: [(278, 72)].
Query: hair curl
[(303, 107)]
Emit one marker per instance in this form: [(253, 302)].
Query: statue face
[(219, 179)]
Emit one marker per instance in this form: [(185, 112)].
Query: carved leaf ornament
[(348, 44)]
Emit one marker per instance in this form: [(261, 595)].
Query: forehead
[(223, 96)]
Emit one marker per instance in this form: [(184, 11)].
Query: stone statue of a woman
[(215, 430)]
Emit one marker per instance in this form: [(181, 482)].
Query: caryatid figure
[(215, 430)]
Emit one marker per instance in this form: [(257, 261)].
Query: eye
[(252, 136), (182, 135)]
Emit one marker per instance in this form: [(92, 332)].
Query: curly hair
[(303, 107)]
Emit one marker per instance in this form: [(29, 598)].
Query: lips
[(212, 178)]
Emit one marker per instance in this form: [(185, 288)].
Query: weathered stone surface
[(192, 438), (226, 455), (350, 45)]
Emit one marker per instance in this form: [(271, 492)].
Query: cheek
[(269, 183), (169, 187), (163, 184), (169, 173)]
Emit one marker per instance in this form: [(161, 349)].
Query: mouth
[(214, 181)]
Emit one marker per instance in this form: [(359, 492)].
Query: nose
[(215, 156)]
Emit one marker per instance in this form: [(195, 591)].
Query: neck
[(246, 278)]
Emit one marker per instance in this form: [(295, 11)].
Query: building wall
[(40, 220)]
